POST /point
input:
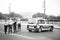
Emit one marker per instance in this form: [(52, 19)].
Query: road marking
[(19, 35)]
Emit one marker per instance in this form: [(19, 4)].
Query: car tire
[(40, 29), (51, 28)]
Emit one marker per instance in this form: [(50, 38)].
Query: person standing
[(5, 26), (14, 26), (19, 26), (10, 26)]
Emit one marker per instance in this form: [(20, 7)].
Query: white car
[(39, 25)]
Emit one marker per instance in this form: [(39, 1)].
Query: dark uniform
[(5, 26), (14, 26), (19, 26), (10, 26)]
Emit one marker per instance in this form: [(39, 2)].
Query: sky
[(29, 7)]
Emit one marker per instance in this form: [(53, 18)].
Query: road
[(25, 35)]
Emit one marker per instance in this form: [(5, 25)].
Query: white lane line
[(19, 35)]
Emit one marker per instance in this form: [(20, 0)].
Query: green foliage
[(39, 15), (12, 14), (1, 16), (51, 17)]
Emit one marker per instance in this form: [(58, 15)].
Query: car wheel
[(30, 30), (40, 29), (51, 28)]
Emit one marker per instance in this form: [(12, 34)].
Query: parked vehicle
[(39, 25)]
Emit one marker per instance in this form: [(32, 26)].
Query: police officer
[(19, 26), (5, 26), (14, 26), (10, 26)]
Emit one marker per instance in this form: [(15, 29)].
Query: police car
[(39, 25)]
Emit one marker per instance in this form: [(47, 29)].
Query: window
[(41, 21)]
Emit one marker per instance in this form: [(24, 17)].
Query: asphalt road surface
[(25, 35)]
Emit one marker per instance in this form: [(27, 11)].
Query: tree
[(1, 16), (6, 15), (51, 17), (39, 15), (12, 14), (58, 17)]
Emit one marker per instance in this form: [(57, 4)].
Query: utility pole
[(44, 8), (9, 7)]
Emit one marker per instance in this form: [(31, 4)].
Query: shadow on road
[(42, 31)]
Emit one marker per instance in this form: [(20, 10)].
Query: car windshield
[(31, 21), (41, 21), (47, 22)]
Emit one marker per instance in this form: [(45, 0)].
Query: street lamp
[(44, 7)]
